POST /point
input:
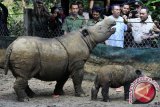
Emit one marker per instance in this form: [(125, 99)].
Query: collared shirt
[(92, 22), (140, 29), (117, 39), (86, 16), (72, 24)]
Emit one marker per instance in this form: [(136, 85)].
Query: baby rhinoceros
[(114, 76)]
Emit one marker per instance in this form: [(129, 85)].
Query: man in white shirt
[(142, 28), (117, 39)]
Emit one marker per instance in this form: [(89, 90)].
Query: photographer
[(3, 20), (56, 21), (136, 12), (40, 19)]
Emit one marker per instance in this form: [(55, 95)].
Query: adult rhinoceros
[(54, 59)]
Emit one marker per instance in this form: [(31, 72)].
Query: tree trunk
[(28, 21)]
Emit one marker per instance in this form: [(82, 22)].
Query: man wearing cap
[(136, 13)]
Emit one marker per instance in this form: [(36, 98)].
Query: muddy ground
[(44, 96)]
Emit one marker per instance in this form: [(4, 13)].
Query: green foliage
[(154, 8), (86, 4), (15, 18)]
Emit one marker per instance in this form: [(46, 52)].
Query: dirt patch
[(44, 96)]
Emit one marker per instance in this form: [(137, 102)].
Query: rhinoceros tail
[(7, 57)]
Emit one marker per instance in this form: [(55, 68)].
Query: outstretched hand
[(125, 18), (155, 29)]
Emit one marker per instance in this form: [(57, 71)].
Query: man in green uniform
[(73, 21), (96, 16)]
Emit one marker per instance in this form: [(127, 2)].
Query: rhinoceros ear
[(138, 72), (85, 32)]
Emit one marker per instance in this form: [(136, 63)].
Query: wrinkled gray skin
[(54, 59), (114, 78)]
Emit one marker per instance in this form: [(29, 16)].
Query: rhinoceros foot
[(29, 92), (107, 100), (22, 96), (126, 99), (81, 94), (94, 92), (26, 99), (59, 92), (31, 95), (84, 95)]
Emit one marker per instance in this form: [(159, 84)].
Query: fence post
[(28, 21)]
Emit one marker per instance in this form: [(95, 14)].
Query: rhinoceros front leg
[(105, 91), (77, 77), (94, 91), (19, 86)]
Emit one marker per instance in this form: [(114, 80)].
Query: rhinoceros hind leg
[(59, 86), (29, 92), (19, 87)]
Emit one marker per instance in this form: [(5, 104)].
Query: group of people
[(141, 30), (136, 25), (134, 28)]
